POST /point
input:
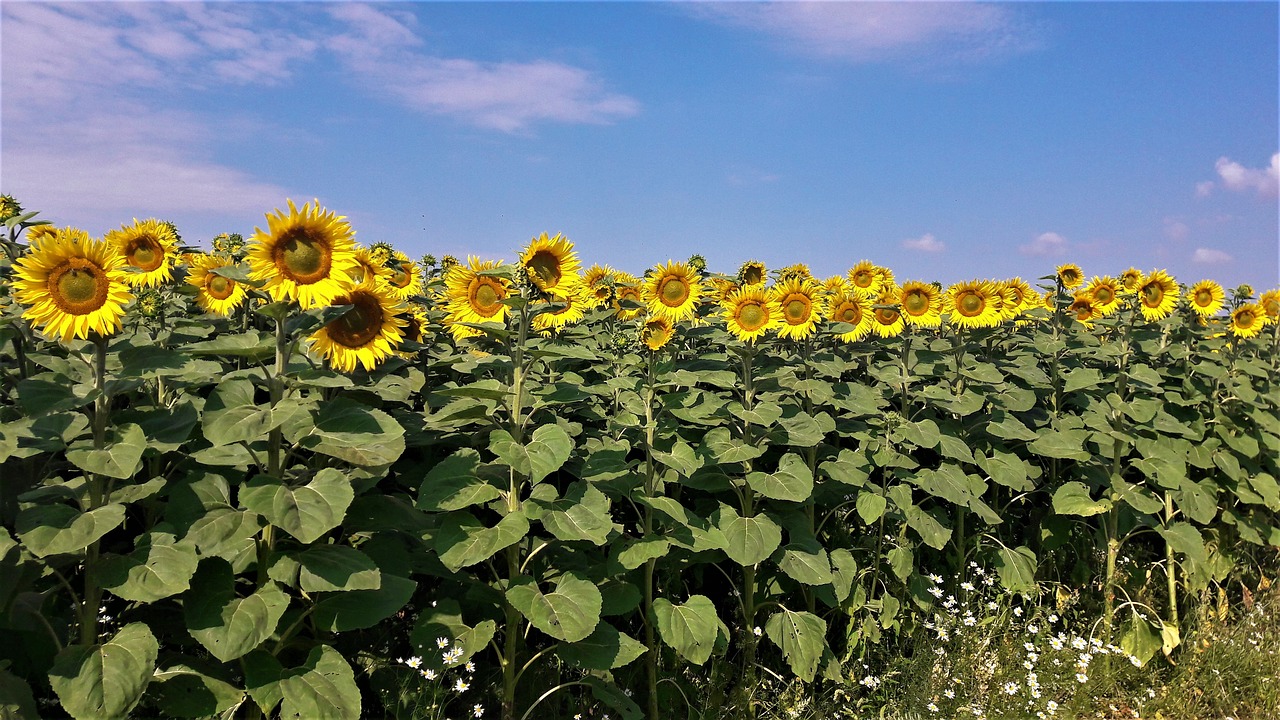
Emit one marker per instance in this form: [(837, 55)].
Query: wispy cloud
[(925, 243), (1049, 244), (1210, 256), (746, 175), (871, 31), (1238, 178)]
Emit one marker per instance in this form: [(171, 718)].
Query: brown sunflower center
[(78, 286), (673, 291), (796, 310), (544, 266), (1204, 297), (970, 304), (752, 316), (400, 277), (144, 253), (1245, 319), (656, 333), (219, 287), (886, 317), (849, 313), (1152, 295), (863, 279), (915, 303), (359, 325), (1271, 307), (302, 256), (486, 297), (1069, 277), (1103, 294), (753, 276)]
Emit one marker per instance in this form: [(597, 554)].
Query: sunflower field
[(292, 476)]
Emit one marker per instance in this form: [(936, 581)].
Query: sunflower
[(973, 304), (366, 334), (798, 271), (885, 321), (39, 232), (577, 300), (1130, 280), (1084, 308), (750, 312), (1206, 298), (368, 266), (797, 299), (1070, 275), (851, 308), (214, 293), (1159, 295), (472, 297), (656, 332), (722, 288), (1105, 293), (149, 246), (1016, 298), (599, 279), (1248, 320), (833, 285), (921, 303), (1269, 301), (864, 279), (405, 279), (416, 322), (673, 291), (752, 272), (627, 287), (307, 255), (551, 264), (73, 284)]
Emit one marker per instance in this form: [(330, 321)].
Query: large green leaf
[(870, 505), (16, 700), (548, 449), (748, 540), (1063, 444), (463, 540), (226, 625), (1073, 499), (359, 609), (1016, 568), (322, 688), (120, 459), (570, 612), (690, 628), (802, 637), (933, 533), (306, 512), (806, 563), (603, 649), (582, 514), (337, 568), (56, 529), (157, 569), (356, 433), (454, 483), (183, 692), (1184, 538), (792, 481), (107, 680)]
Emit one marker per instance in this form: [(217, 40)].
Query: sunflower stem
[(748, 571), (91, 599), (266, 545), (650, 489)]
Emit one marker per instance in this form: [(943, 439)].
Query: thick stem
[(651, 657), (1171, 566), (91, 599), (511, 641), (275, 442), (748, 571)]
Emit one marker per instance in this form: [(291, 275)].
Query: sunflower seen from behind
[(1157, 295), (673, 291), (72, 284), (307, 255), (367, 334), (472, 296), (599, 280), (972, 304), (853, 309), (750, 313), (215, 293), (920, 303), (551, 264), (150, 248), (798, 301), (752, 272), (1248, 320), (1206, 298)]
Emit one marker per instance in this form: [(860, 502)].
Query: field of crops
[(290, 476)]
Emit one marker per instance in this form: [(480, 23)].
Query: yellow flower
[(752, 272), (1016, 298), (599, 279), (673, 291), (1206, 298), (797, 299), (474, 297), (749, 313), (416, 323), (405, 280), (214, 293), (368, 266), (1105, 294), (1130, 280), (1084, 309), (1248, 320), (73, 284), (887, 322), (551, 264), (1159, 295), (39, 232), (149, 246), (865, 279), (722, 288), (627, 287), (577, 299), (1270, 304), (366, 334), (851, 308), (973, 304), (1070, 275), (307, 255), (798, 271), (657, 332), (921, 304)]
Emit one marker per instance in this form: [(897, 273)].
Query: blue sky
[(946, 141)]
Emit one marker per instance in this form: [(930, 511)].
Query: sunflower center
[(219, 287), (401, 278), (752, 276), (673, 291), (1204, 297), (1245, 319), (545, 266), (752, 317), (863, 279), (1152, 295), (886, 317), (144, 253), (1069, 277), (915, 303), (303, 257), (78, 286), (359, 325), (1103, 294), (971, 304), (850, 314), (486, 297)]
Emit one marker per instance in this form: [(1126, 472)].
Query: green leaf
[(682, 458), (870, 505), (640, 551), (223, 532), (329, 568), (444, 620), (1184, 538), (1139, 639), (570, 612), (901, 561), (463, 540), (748, 540), (792, 481), (1267, 489), (1081, 379), (106, 680), (181, 691), (804, 430), (933, 533), (1006, 426), (157, 569), (806, 563), (120, 459), (226, 625), (360, 609), (548, 449), (1017, 568), (16, 700), (1006, 469), (844, 570), (603, 649), (802, 637), (252, 345), (922, 434), (322, 688), (454, 483), (1137, 497), (1073, 499), (356, 433), (1197, 501), (1064, 444), (690, 629), (56, 529), (307, 512), (582, 514)]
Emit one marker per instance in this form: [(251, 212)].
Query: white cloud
[(1209, 256), (925, 243), (1264, 181), (1049, 244), (869, 31), (1175, 229)]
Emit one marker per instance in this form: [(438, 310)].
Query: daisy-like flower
[(150, 247), (1082, 678), (442, 643), (307, 255), (414, 662), (477, 711), (935, 578), (966, 585), (460, 686), (72, 284)]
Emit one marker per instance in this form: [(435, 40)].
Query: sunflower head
[(551, 264), (1269, 301), (149, 248), (416, 323), (798, 271), (9, 207), (797, 299), (864, 279), (40, 232), (306, 255), (626, 288), (1130, 280), (853, 309), (697, 263), (1157, 295), (367, 266), (673, 291), (599, 280), (1248, 320), (1105, 293), (214, 293), (382, 252), (750, 313), (656, 332), (474, 295), (886, 318), (973, 304), (73, 285), (1083, 309), (564, 311), (722, 287), (752, 272), (366, 334), (1070, 275), (1206, 298), (920, 303), (404, 279)]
